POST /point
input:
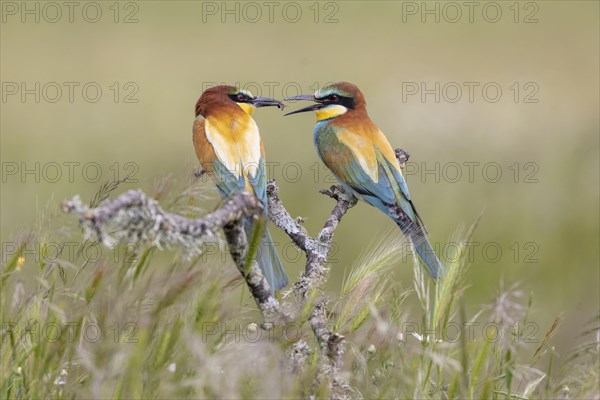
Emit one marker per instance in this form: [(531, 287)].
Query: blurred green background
[(540, 133)]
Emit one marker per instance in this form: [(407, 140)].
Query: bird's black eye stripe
[(347, 102), (335, 98)]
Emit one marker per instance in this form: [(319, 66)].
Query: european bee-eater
[(229, 147), (363, 160)]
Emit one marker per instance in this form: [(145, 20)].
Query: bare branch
[(282, 218), (136, 217), (316, 249), (257, 283), (402, 156)]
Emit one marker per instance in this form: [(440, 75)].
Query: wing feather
[(367, 170)]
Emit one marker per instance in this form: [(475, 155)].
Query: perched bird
[(363, 160), (229, 147)]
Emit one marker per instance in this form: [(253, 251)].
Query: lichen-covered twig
[(133, 216), (402, 156), (331, 352), (256, 281), (316, 249)]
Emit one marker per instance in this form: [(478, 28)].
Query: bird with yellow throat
[(229, 147), (362, 159)]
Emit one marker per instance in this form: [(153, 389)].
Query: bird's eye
[(241, 97), (333, 97)]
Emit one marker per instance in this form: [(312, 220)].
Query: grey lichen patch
[(135, 217)]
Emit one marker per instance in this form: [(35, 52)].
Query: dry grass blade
[(106, 189), (551, 331), (453, 275), (365, 283)]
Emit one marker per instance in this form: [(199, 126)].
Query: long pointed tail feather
[(269, 262), (425, 251)]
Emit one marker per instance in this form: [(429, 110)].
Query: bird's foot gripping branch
[(317, 248)]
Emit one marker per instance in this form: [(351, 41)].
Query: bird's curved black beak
[(267, 102), (308, 97)]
